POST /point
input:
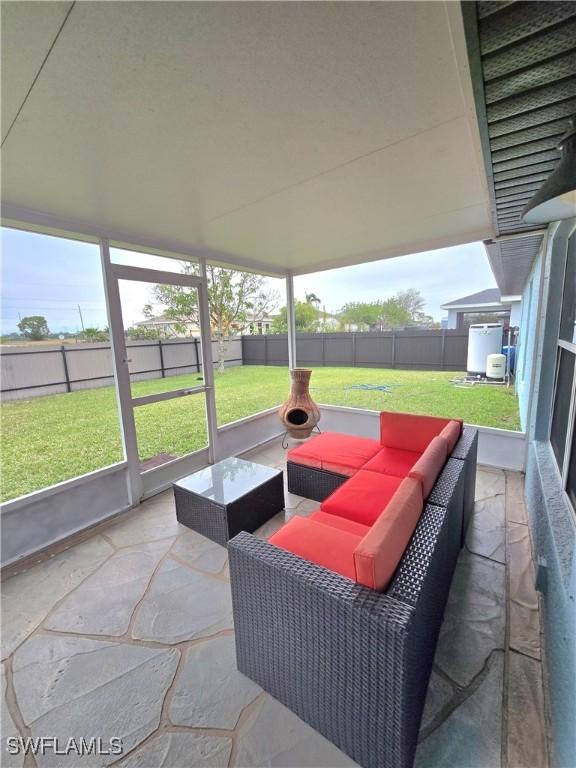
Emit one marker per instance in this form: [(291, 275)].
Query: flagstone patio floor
[(129, 634)]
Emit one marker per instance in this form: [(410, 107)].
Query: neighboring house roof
[(488, 296), (257, 318)]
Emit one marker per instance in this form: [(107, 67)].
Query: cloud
[(441, 276)]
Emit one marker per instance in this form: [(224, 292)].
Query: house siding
[(525, 357), (552, 521)]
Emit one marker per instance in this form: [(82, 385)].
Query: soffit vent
[(511, 260), (523, 64)]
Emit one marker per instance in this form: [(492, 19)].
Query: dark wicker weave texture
[(466, 450), (312, 483), (352, 662), (222, 522)]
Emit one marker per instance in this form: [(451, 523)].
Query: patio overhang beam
[(291, 321), (36, 221), (392, 252)]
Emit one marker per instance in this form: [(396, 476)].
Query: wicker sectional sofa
[(354, 660)]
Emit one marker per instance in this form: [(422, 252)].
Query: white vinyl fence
[(31, 371)]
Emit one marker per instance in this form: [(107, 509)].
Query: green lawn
[(49, 439)]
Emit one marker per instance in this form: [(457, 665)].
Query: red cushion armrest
[(452, 432), (430, 464), (378, 554)]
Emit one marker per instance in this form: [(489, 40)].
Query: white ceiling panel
[(28, 31), (288, 135)]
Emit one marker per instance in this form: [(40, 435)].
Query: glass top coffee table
[(228, 497)]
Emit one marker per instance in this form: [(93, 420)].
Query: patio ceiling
[(280, 136)]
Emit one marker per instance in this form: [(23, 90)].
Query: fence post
[(161, 358), (265, 349), (66, 374), (196, 352), (393, 348), (443, 351), (324, 349), (354, 350)]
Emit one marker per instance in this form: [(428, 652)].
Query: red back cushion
[(452, 432), (430, 464), (409, 431), (377, 555)]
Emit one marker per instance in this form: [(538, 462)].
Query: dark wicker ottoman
[(228, 497)]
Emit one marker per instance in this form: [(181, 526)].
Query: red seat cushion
[(321, 544), (393, 461), (430, 464), (409, 431), (335, 452), (452, 432), (363, 497), (339, 522), (378, 554)]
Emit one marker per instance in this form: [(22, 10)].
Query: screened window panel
[(568, 316), (571, 480), (561, 409)]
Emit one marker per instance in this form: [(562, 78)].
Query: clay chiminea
[(300, 414)]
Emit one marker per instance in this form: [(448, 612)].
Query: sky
[(62, 280), (441, 276)]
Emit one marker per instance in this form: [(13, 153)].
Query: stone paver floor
[(129, 635)]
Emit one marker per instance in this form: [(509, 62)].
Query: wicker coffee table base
[(222, 522)]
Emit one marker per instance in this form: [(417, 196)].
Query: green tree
[(412, 301), (361, 315), (34, 327), (141, 333), (95, 334), (306, 318), (404, 308), (234, 298), (393, 314), (312, 298)]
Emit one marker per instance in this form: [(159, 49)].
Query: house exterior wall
[(552, 520), (452, 319), (525, 353), (515, 313)]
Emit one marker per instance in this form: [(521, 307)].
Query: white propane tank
[(483, 340), (496, 366)]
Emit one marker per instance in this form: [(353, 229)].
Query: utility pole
[(81, 319)]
